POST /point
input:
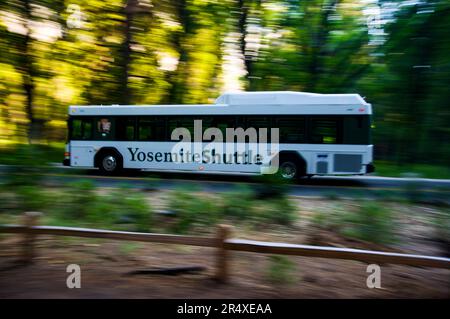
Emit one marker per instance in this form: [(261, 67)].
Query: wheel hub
[(109, 163)]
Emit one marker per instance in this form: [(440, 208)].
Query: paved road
[(331, 186)]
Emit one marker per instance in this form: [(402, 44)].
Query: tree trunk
[(27, 70), (130, 10), (319, 39)]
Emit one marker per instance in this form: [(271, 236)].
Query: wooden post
[(30, 219), (223, 233)]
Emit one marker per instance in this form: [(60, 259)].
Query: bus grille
[(350, 163)]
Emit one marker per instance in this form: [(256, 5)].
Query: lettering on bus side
[(249, 146), (206, 157)]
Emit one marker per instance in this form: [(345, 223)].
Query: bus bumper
[(370, 168), (66, 162)]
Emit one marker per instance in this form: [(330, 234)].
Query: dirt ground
[(106, 264)]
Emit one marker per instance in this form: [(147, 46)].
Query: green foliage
[(31, 198), (413, 191), (187, 52), (80, 199), (330, 195), (129, 247), (278, 210), (138, 211), (120, 208), (270, 186), (319, 219), (244, 204), (370, 222), (27, 164), (192, 209), (281, 269), (392, 169), (239, 204)]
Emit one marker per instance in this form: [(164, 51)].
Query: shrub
[(280, 269), (80, 199), (31, 198), (320, 219), (278, 210), (138, 210), (332, 219), (270, 186), (191, 209), (413, 191), (28, 163), (124, 207), (239, 203), (330, 195), (371, 222)]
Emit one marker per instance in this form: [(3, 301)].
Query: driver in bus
[(104, 127)]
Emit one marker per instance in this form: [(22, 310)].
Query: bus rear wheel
[(109, 163), (288, 170)]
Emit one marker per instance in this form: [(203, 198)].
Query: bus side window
[(292, 129), (104, 128), (151, 129), (145, 129), (81, 129), (324, 131), (222, 122), (125, 127)]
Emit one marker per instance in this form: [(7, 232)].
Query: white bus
[(319, 134)]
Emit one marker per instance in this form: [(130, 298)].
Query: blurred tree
[(311, 43), (409, 84), (198, 43), (54, 53)]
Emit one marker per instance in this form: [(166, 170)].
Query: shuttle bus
[(310, 134)]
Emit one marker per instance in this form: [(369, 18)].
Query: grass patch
[(370, 222), (280, 270), (128, 248), (80, 204), (278, 210), (192, 209), (31, 154), (238, 204), (390, 169)]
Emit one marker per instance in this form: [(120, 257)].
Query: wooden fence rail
[(368, 256), (222, 242), (111, 234)]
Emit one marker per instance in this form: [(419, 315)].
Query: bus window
[(81, 129), (356, 130), (104, 128), (151, 129), (324, 131), (222, 122), (292, 129), (258, 122), (125, 127)]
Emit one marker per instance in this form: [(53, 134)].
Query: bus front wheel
[(291, 167), (109, 163), (289, 170)]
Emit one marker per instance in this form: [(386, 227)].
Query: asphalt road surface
[(329, 186)]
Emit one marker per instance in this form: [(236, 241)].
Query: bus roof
[(245, 103), (288, 97)]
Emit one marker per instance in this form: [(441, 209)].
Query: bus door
[(81, 148)]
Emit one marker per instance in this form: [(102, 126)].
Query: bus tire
[(109, 162), (291, 167)]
